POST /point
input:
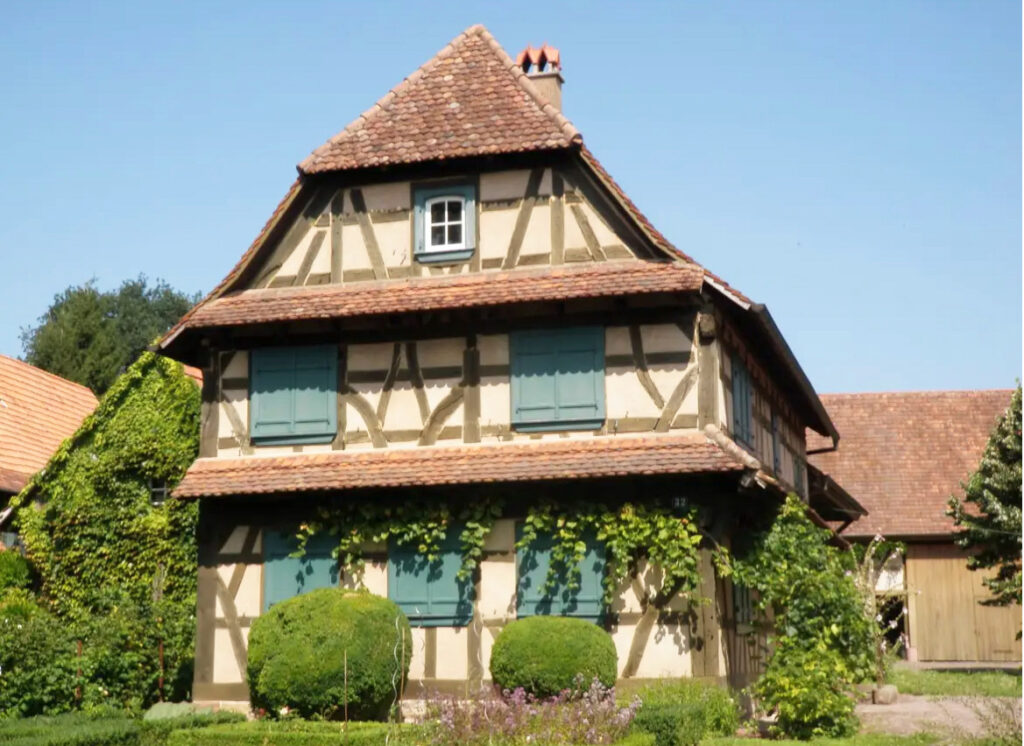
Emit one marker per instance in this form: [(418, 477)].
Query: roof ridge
[(566, 127)]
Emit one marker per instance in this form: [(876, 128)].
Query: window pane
[(437, 235), (454, 234), (454, 211), (437, 212)]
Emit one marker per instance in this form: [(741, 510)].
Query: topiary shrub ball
[(297, 653), (545, 655)]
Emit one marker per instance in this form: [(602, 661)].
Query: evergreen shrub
[(546, 655), (298, 649), (721, 713)]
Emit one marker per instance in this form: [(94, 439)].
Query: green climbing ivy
[(629, 532), (420, 523), (88, 522)]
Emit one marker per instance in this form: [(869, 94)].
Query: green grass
[(957, 683), (862, 739)]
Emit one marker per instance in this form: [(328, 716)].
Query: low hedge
[(298, 652), (102, 728), (297, 733), (546, 655), (672, 724)]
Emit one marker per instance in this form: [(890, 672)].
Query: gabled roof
[(470, 99), (903, 455), (38, 410), (452, 465)]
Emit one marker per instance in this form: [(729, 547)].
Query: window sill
[(444, 257), (292, 440), (439, 622), (557, 427)]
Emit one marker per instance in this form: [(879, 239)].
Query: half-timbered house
[(455, 297)]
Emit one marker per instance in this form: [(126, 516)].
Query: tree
[(90, 337), (989, 514)]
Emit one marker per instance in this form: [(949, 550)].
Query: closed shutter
[(533, 598), (741, 404), (557, 378), (430, 593), (293, 394), (285, 576)]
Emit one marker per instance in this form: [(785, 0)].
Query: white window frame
[(428, 224)]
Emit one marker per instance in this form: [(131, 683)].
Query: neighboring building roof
[(470, 99), (902, 455), (451, 465), (38, 410), (448, 292)]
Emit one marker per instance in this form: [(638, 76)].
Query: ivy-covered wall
[(95, 530)]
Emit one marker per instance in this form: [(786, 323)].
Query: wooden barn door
[(947, 622)]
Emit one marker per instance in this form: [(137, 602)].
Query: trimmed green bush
[(546, 655), (15, 571), (721, 713), (672, 724), (297, 733), (297, 654)]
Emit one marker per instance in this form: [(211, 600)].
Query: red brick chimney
[(544, 67)]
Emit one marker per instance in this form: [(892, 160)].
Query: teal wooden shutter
[(430, 593), (293, 394), (776, 451), (741, 404), (533, 564), (534, 360), (285, 577), (557, 378)]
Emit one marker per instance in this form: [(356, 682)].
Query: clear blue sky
[(856, 166)]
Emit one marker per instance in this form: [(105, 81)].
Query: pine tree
[(992, 526)]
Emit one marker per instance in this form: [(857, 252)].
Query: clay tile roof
[(447, 292), (506, 462), (470, 99), (38, 410), (902, 455)]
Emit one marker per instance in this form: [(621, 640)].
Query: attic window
[(445, 224)]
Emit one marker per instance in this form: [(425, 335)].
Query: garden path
[(914, 714)]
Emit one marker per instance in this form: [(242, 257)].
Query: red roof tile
[(447, 292), (470, 99), (902, 455), (406, 467), (38, 410)]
